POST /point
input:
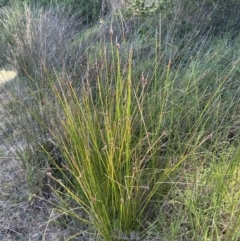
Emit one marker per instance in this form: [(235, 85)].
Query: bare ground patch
[(7, 75), (21, 217)]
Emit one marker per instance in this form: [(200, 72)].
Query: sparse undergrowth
[(129, 127)]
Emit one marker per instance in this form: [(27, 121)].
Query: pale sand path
[(7, 75)]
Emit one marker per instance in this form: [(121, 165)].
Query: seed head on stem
[(111, 34)]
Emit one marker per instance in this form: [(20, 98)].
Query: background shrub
[(148, 7), (3, 2), (89, 10)]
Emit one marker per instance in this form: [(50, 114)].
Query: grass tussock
[(133, 125)]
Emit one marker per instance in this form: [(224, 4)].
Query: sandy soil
[(22, 218), (7, 75)]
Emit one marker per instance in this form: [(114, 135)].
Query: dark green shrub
[(3, 2), (88, 10), (148, 7)]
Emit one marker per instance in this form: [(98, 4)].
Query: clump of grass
[(37, 38), (111, 134), (104, 165), (116, 137), (204, 202)]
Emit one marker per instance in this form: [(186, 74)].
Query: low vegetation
[(126, 119)]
